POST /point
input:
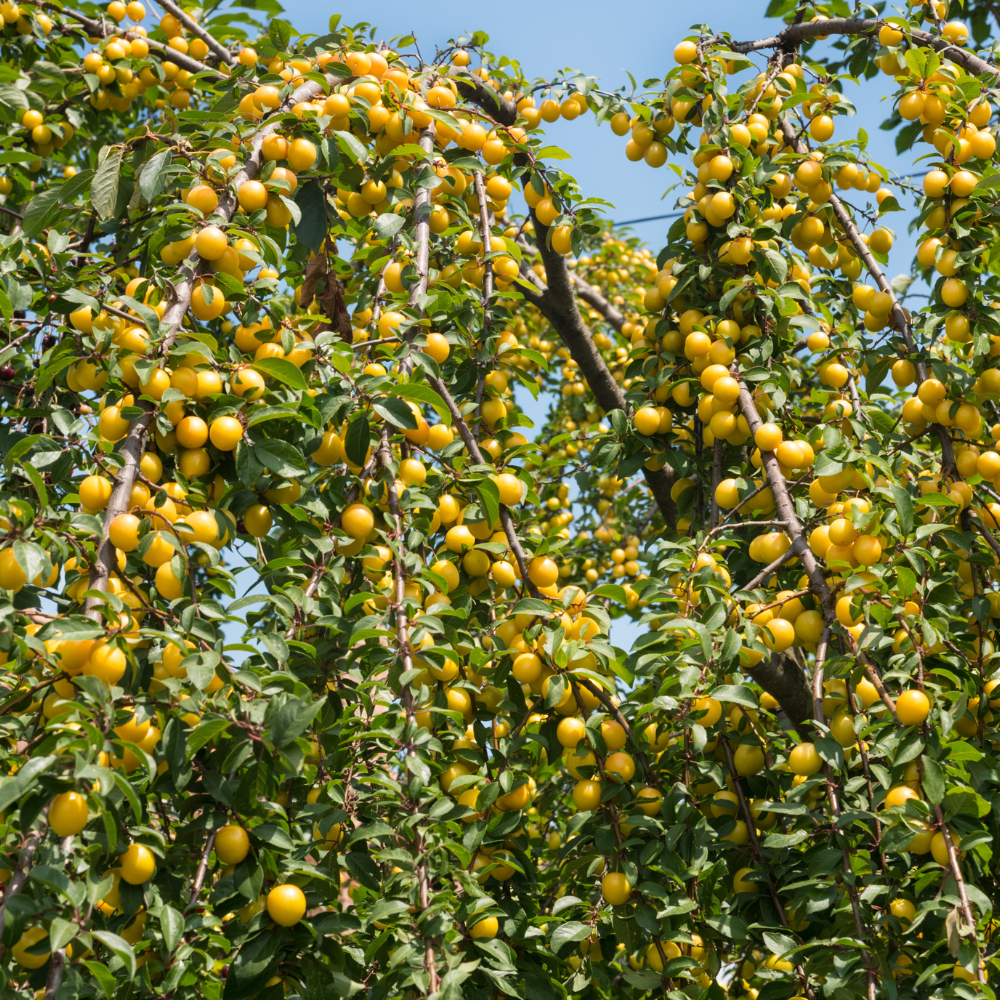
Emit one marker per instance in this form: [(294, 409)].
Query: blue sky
[(606, 42)]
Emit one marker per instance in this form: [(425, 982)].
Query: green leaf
[(311, 228), (276, 836), (739, 694), (395, 411), (280, 457), (489, 496), (253, 965), (293, 209), (204, 732), (388, 224), (552, 153), (36, 481), (356, 441), (154, 175), (280, 32), (351, 145), (933, 781), (904, 509), (284, 371), (41, 211), (572, 930), (418, 392), (786, 839), (105, 979), (120, 947), (14, 98), (200, 668), (129, 792), (104, 188), (172, 927), (147, 315), (47, 375), (292, 720)]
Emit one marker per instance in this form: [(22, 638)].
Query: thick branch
[(598, 302), (484, 232), (558, 305), (497, 107), (796, 33), (782, 678), (422, 223), (121, 493)]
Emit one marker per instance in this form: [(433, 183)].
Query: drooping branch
[(878, 275), (398, 571), (956, 874), (758, 853), (422, 240), (472, 446), (199, 878), (171, 322), (602, 696)]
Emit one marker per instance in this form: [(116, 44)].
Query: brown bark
[(782, 678), (794, 34), (557, 303), (331, 299)]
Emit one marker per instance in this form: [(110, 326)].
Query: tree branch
[(788, 39), (497, 107), (196, 29), (172, 320), (948, 469), (96, 29), (786, 509), (782, 678), (18, 879), (484, 232), (558, 305), (956, 873)]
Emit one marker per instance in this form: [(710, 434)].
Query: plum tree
[(308, 680)]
